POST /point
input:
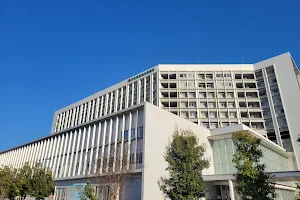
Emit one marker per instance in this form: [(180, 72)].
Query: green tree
[(6, 182), (252, 182), (186, 161), (41, 183), (88, 192), (24, 180)]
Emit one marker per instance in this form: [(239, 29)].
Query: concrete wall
[(159, 126), (290, 94)]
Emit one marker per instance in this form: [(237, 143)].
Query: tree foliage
[(186, 161), (88, 192), (6, 182), (41, 182), (252, 182), (26, 181)]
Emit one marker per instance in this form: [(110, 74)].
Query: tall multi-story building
[(264, 96), (139, 134), (212, 100)]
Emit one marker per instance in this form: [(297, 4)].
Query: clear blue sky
[(53, 53)]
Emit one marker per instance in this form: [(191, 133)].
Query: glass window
[(139, 158), (202, 94), (210, 85), (140, 132), (125, 135), (192, 104), (133, 133), (182, 75)]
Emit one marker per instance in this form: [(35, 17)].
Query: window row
[(106, 104), (207, 75)]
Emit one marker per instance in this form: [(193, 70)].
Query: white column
[(85, 110), (85, 160), (121, 98), (93, 114), (75, 116), (63, 120), (74, 134), (80, 114), (129, 139), (38, 159), (231, 190), (89, 105), (33, 151), (28, 154), (97, 149), (45, 154), (151, 88), (92, 149), (59, 122), (145, 91), (122, 141), (81, 151), (16, 158), (54, 157), (97, 108), (63, 162), (3, 159), (50, 152), (106, 104), (101, 106), (59, 156), (115, 140), (109, 140), (69, 151), (103, 145), (21, 157), (77, 152)]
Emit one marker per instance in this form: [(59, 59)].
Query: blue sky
[(53, 53)]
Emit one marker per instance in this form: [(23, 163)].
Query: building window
[(139, 158), (204, 115), (201, 85), (210, 85), (202, 95), (182, 75), (131, 157), (140, 132), (133, 133), (201, 76), (203, 105), (125, 135), (192, 104), (212, 105), (209, 76), (211, 95)]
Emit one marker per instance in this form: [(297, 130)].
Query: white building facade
[(212, 100), (141, 133), (264, 96)]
